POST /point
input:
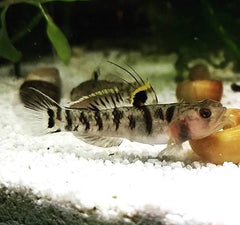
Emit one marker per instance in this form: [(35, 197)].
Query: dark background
[(188, 27)]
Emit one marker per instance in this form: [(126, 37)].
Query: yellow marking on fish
[(141, 88)]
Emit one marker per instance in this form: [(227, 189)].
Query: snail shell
[(223, 146), (199, 72), (45, 79), (197, 90)]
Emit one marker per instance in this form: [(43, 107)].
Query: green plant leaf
[(59, 41), (57, 38), (7, 50)]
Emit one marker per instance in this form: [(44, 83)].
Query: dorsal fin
[(143, 92), (103, 99), (144, 87), (123, 93)]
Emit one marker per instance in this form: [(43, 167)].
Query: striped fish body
[(151, 124), (143, 124)]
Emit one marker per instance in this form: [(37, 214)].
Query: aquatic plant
[(216, 32), (55, 35)]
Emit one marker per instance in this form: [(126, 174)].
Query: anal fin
[(100, 141)]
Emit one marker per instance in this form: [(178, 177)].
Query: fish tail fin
[(44, 114)]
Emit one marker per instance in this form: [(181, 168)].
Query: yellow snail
[(199, 86), (223, 146), (197, 90)]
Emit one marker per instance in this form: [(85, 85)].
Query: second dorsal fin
[(122, 93), (143, 95), (142, 92)]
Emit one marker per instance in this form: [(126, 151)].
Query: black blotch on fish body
[(83, 119), (169, 113), (99, 121), (75, 128), (51, 122), (69, 120), (183, 132), (148, 118), (117, 116), (106, 116), (139, 99), (132, 122), (59, 113), (158, 114)]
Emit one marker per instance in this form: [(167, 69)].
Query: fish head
[(198, 120), (205, 118)]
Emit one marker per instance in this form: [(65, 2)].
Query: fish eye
[(205, 113)]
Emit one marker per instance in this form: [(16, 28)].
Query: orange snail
[(223, 146)]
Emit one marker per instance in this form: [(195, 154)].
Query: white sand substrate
[(125, 184)]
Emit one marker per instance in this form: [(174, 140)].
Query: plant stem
[(34, 22), (43, 11), (17, 69)]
